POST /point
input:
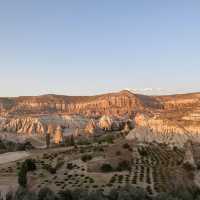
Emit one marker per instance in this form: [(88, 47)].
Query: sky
[(76, 47)]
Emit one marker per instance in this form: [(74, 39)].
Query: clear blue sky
[(79, 47)]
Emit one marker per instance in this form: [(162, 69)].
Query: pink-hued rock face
[(90, 127), (105, 123), (117, 104), (42, 114), (58, 137)]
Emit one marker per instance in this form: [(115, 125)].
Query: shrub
[(126, 146), (13, 146), (27, 165), (22, 176), (46, 194), (65, 195), (106, 168), (20, 193), (30, 165), (143, 152), (83, 142), (86, 158), (9, 195), (96, 195), (188, 167), (59, 164), (127, 193), (49, 168), (123, 166), (2, 145), (69, 141), (70, 166), (118, 153), (109, 139), (48, 140)]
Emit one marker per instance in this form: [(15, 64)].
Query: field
[(152, 168)]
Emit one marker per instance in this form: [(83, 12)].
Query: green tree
[(86, 158), (65, 195), (22, 177), (46, 194), (48, 139), (124, 165), (106, 168), (30, 165)]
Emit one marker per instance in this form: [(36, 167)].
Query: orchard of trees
[(126, 193)]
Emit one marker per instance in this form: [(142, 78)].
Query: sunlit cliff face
[(43, 114)]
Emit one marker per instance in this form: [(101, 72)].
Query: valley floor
[(13, 156)]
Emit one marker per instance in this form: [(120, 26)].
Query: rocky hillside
[(41, 125), (159, 114), (117, 104)]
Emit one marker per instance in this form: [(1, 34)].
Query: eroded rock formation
[(58, 137), (42, 124), (164, 115), (105, 123), (90, 127)]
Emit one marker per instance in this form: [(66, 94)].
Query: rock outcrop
[(42, 124), (118, 104), (172, 131), (90, 128), (164, 115), (58, 137), (105, 123), (189, 155)]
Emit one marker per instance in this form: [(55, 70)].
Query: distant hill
[(116, 104)]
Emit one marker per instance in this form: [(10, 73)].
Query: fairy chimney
[(90, 127), (58, 137), (105, 123)]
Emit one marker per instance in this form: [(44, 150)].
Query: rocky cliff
[(160, 114), (117, 104), (41, 125)]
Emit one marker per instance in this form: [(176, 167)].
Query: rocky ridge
[(162, 116)]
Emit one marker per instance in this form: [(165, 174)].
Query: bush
[(30, 165), (106, 168), (59, 164), (9, 195), (69, 141), (20, 193), (70, 166), (126, 193), (46, 194), (109, 139), (188, 167), (65, 195), (22, 176), (2, 145), (143, 152), (123, 166), (96, 195), (84, 142), (86, 158), (9, 146), (126, 146), (118, 153), (49, 168), (26, 146), (27, 165)]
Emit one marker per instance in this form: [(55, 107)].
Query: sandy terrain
[(13, 156), (7, 184)]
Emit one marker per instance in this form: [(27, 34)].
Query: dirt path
[(13, 156)]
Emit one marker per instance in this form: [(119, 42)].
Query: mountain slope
[(161, 114), (120, 103)]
